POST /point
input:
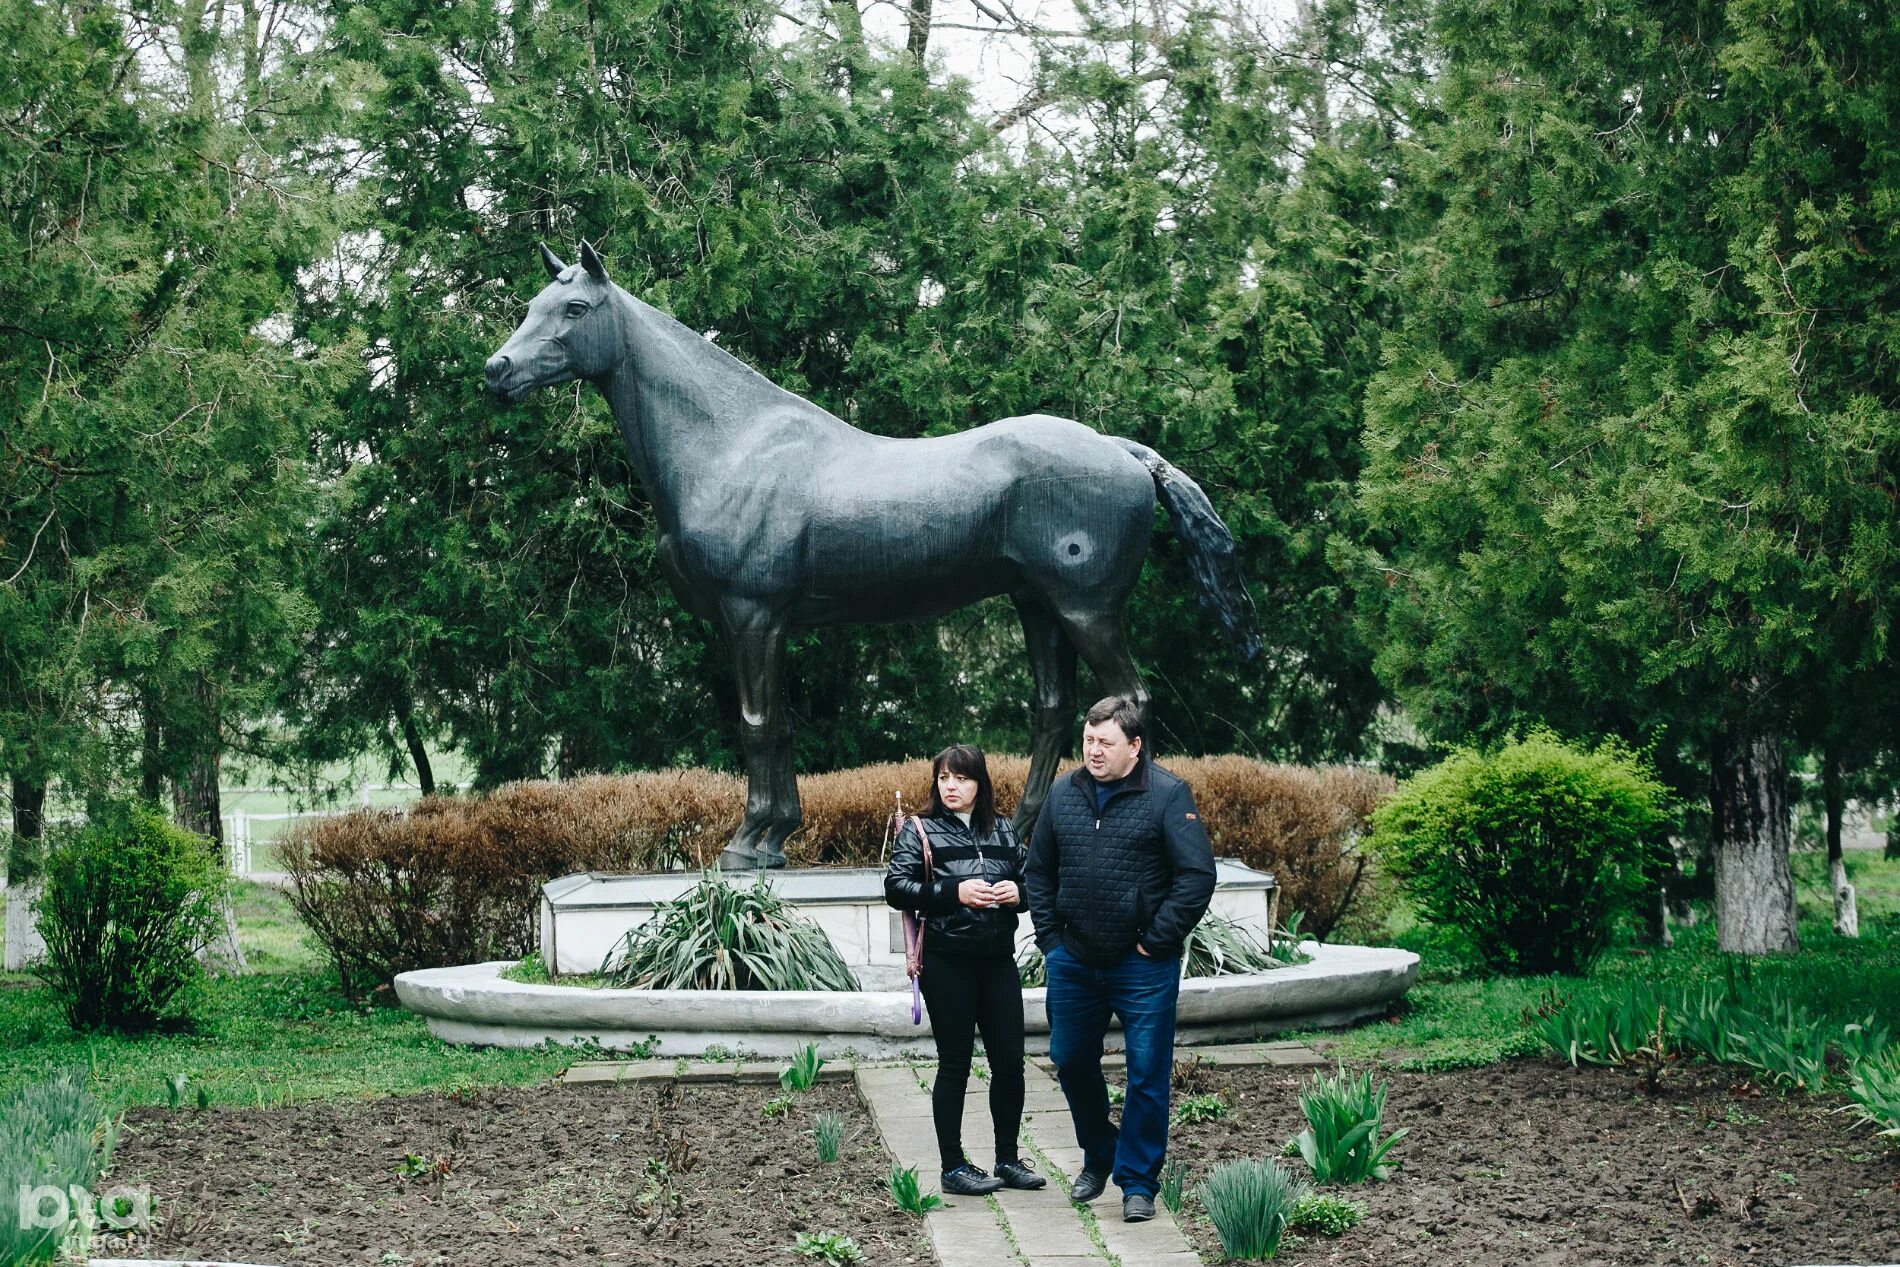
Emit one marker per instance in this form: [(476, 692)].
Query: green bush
[(721, 936), (1250, 1204), (51, 1133), (129, 901), (1531, 852)]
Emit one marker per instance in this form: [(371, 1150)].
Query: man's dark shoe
[(1137, 1207), (1019, 1174), (1088, 1185), (967, 1181)]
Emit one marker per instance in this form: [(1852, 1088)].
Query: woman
[(968, 902)]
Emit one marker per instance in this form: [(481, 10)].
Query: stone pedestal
[(583, 917)]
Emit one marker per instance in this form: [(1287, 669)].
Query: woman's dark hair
[(966, 760)]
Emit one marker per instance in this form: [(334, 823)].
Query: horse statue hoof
[(734, 858)]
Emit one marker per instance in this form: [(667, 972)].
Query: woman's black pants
[(965, 994)]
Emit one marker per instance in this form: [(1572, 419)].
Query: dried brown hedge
[(457, 879)]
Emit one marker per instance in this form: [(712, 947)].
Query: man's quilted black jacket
[(1141, 871)]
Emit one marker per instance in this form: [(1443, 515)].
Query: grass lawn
[(1454, 1017), (283, 1033)]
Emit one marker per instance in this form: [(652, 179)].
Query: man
[(1119, 873)]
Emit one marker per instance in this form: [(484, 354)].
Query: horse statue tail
[(1210, 548)]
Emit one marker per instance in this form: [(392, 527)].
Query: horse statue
[(775, 516)]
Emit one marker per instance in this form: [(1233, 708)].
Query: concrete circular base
[(473, 1004)]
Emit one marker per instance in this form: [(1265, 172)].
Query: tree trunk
[(418, 753), (1834, 791), (29, 807), (1754, 888), (195, 800), (151, 749), (197, 806), (29, 822), (918, 42)]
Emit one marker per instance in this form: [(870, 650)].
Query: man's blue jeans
[(1142, 993)]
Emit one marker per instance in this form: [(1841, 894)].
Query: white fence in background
[(240, 834)]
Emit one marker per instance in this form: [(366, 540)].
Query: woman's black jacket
[(956, 855)]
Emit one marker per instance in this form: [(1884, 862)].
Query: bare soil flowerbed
[(652, 1173), (1532, 1162)]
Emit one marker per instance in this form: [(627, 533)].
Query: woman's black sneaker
[(1019, 1174), (967, 1181)]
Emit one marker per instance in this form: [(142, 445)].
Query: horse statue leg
[(1097, 634), (756, 635), (1052, 670)]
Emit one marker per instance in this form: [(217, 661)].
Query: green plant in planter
[(1218, 947), (52, 1134), (834, 1249), (529, 971), (802, 1073), (719, 936), (1174, 1184), (827, 1130), (1874, 1091), (1284, 943), (1250, 1204), (1341, 1141), (1327, 1214), (909, 1193), (1199, 1108), (1031, 969)]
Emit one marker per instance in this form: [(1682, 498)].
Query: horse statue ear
[(554, 266), (591, 262)]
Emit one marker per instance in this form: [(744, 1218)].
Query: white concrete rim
[(474, 1003)]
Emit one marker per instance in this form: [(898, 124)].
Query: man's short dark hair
[(1121, 710)]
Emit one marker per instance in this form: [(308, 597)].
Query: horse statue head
[(571, 331)]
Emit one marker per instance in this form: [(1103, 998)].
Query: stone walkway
[(1033, 1229)]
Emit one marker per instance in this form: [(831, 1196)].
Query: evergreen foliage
[(1632, 448)]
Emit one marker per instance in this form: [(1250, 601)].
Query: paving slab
[(1239, 1055), (1137, 1244), (1045, 1226), (968, 1238), (592, 1071)]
